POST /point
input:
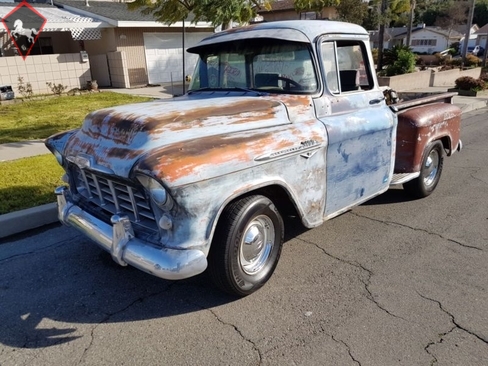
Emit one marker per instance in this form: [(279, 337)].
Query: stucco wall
[(117, 63), (424, 79), (65, 69), (411, 81), (448, 78), (131, 42)]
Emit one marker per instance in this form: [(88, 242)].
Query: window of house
[(43, 46), (424, 42), (308, 15), (346, 66)]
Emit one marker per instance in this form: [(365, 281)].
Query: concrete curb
[(31, 218)]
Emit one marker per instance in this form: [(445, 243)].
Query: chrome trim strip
[(401, 178), (119, 241), (134, 204)]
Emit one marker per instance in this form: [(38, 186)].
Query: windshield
[(267, 65)]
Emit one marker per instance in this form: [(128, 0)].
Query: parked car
[(476, 50), (6, 92), (281, 118)]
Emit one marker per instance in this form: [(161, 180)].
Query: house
[(423, 39), (148, 51), (429, 40), (103, 41), (482, 36), (285, 10), (389, 39)]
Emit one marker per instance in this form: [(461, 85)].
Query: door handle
[(376, 101)]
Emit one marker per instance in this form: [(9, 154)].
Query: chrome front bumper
[(118, 239)]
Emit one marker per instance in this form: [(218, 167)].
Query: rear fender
[(419, 126)]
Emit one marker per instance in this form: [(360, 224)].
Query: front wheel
[(247, 245), (430, 172)]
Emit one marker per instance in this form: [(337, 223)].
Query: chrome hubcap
[(256, 244), (431, 167)]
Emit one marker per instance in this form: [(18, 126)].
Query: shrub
[(57, 89), (404, 64), (456, 62), (455, 48), (25, 89), (390, 56), (469, 83), (472, 60), (447, 67), (374, 51)]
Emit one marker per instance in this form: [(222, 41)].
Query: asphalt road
[(393, 282)]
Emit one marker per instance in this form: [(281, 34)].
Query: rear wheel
[(430, 172), (246, 246)]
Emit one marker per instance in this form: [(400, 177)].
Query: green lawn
[(30, 182), (40, 118)]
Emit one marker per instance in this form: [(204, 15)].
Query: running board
[(403, 178)]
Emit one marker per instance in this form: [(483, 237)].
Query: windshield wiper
[(246, 90), (202, 89)]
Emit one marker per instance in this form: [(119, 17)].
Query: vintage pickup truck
[(281, 118)]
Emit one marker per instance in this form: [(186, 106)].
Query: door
[(361, 128)]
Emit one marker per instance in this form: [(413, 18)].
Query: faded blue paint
[(361, 151)]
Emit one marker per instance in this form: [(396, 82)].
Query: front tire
[(430, 172), (247, 245)]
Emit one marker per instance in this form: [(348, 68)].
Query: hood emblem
[(306, 149)]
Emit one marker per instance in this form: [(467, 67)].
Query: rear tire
[(246, 246), (430, 172)]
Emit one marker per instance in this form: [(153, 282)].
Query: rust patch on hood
[(122, 125)]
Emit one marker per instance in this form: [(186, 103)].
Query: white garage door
[(164, 58)]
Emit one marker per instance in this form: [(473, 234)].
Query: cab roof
[(291, 30)]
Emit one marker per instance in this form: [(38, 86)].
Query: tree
[(314, 5), (398, 9), (481, 13), (454, 13), (213, 11), (353, 11), (390, 11), (372, 19)]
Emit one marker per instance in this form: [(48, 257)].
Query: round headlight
[(159, 196), (156, 190), (59, 157)]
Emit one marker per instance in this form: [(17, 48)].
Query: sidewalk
[(17, 222)]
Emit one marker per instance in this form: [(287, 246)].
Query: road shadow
[(394, 195), (46, 292)]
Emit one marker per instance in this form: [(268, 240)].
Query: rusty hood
[(116, 138)]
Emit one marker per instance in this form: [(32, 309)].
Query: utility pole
[(413, 4), (468, 31), (183, 47), (381, 34)]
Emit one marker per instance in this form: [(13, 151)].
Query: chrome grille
[(115, 198)]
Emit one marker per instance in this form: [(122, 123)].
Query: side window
[(351, 70), (330, 66)]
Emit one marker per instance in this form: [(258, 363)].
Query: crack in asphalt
[(456, 325), (340, 341), (120, 311), (366, 282), (392, 223), (476, 178), (248, 340), (40, 250), (236, 329)]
